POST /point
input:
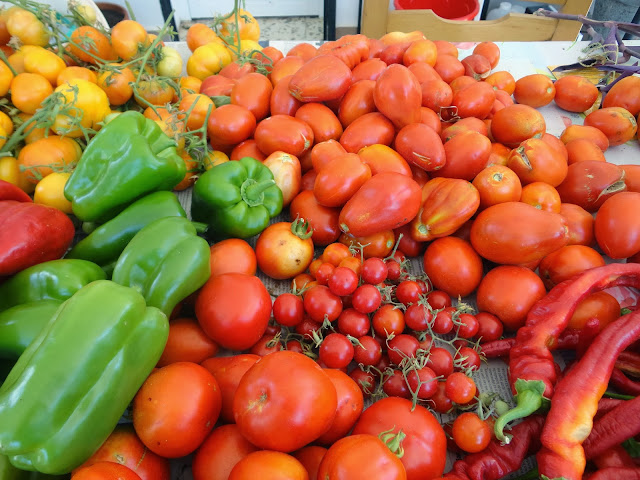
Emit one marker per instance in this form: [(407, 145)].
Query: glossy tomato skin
[(516, 123), (268, 465), (228, 371), (310, 458), (589, 183), (106, 470), (356, 102), (566, 262), (361, 456), (617, 225), (282, 102), (398, 95), (339, 179), (229, 125), (425, 444), (288, 393), (453, 266), (385, 201), (350, 406), (516, 233), (509, 292), (124, 445), (234, 310), (368, 129), (617, 123), (281, 253), (382, 158), (323, 220), (284, 133), (322, 78), (220, 452), (421, 146), (185, 405), (466, 155)]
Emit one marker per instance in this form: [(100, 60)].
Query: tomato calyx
[(393, 441), (301, 228)]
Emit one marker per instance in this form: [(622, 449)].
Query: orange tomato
[(541, 195), (154, 91), (44, 62), (116, 84), (197, 105), (70, 73), (233, 255), (28, 90), (41, 157), (248, 27), (91, 45), (190, 175), (6, 77), (199, 34), (128, 39)]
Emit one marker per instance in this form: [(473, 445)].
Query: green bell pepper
[(127, 159), (21, 324), (236, 199), (166, 261), (69, 388), (9, 472), (55, 279), (106, 242)]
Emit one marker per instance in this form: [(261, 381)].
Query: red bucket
[(449, 9)]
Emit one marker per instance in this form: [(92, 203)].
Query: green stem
[(4, 58), (252, 191), (619, 396), (528, 401), (130, 10), (201, 227)]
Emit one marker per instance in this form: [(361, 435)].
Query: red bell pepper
[(8, 191), (31, 233)]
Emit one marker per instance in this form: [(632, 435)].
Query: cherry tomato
[(388, 320), (366, 298), (489, 327), (336, 351), (460, 388), (288, 309), (343, 281), (467, 358), (439, 400), (319, 302), (374, 271), (418, 317), (438, 299), (469, 325), (408, 291), (471, 433), (369, 352), (440, 361)]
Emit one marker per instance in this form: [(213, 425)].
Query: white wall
[(347, 13), (147, 12)]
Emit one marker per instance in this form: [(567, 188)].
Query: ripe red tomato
[(322, 78), (339, 179), (220, 452), (453, 266), (425, 443), (268, 465), (126, 447), (253, 91), (361, 456), (489, 327), (176, 408), (575, 93), (187, 342), (320, 301), (228, 372), (229, 125), (234, 309), (105, 470), (232, 255), (284, 402), (589, 183), (471, 433), (310, 458), (282, 102), (579, 223), (284, 133), (516, 123), (601, 306), (617, 225), (368, 129), (350, 406), (421, 146), (398, 95), (509, 292), (566, 262)]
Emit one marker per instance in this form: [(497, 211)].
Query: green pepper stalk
[(529, 399)]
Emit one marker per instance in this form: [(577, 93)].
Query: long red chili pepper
[(576, 397), (533, 372), (613, 428), (616, 456), (605, 405), (623, 383), (498, 460), (629, 362)]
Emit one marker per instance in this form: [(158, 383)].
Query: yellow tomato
[(6, 123), (33, 133), (6, 75), (50, 191), (69, 73), (170, 64), (10, 172), (172, 123), (213, 158), (25, 26), (197, 105), (208, 60), (191, 174), (44, 62), (90, 105), (16, 59), (248, 26), (246, 47), (128, 39), (49, 154)]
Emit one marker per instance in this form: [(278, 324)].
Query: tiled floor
[(278, 28)]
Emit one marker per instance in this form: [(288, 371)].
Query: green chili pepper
[(55, 279), (21, 324), (128, 158), (166, 261), (69, 388), (236, 199), (106, 242)]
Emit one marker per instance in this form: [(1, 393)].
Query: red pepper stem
[(529, 399)]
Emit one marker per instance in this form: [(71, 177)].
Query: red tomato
[(453, 265), (124, 446), (617, 225), (590, 183), (370, 69), (626, 94), (566, 262), (187, 342), (476, 66), (421, 146), (105, 470), (228, 371), (474, 100), (599, 305), (536, 90), (232, 255), (320, 301), (282, 102), (323, 220), (220, 452), (385, 201), (217, 86), (322, 120), (516, 123), (425, 443), (466, 155), (449, 67), (229, 125), (176, 408), (471, 433), (234, 310), (498, 233), (285, 68), (509, 292), (497, 184), (268, 465), (322, 78), (617, 123), (247, 148), (387, 320), (356, 102), (284, 402), (489, 327), (542, 196), (310, 458), (460, 388), (336, 351), (284, 133), (382, 158), (436, 94), (535, 161), (253, 91), (573, 132), (575, 93), (361, 456), (398, 95), (350, 406), (368, 129), (340, 179)]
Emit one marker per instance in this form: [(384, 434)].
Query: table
[(520, 59)]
